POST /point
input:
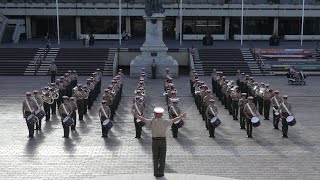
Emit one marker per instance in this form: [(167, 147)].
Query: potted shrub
[(274, 40), (208, 39)]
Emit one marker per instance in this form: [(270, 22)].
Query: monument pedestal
[(154, 48)]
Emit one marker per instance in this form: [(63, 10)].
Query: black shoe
[(249, 136), (65, 136), (275, 128), (175, 136), (73, 128), (160, 175), (137, 137), (212, 136), (54, 113), (266, 119), (104, 136), (31, 136), (242, 128), (237, 119), (284, 136)]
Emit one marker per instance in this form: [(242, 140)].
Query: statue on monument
[(153, 6)]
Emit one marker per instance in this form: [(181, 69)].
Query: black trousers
[(53, 107), (260, 104), (159, 149), (138, 128), (242, 120), (80, 104), (46, 108), (211, 128), (266, 110), (203, 112), (249, 127), (284, 127), (213, 84), (85, 106), (53, 76), (103, 129), (229, 104), (174, 129), (38, 124), (276, 119), (153, 69), (30, 126), (74, 117), (66, 129), (235, 109)]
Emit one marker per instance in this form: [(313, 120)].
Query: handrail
[(191, 59)]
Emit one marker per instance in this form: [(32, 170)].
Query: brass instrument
[(47, 99), (86, 93)]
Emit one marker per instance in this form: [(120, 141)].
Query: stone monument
[(154, 47)]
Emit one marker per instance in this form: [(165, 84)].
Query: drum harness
[(28, 105), (285, 107), (275, 99), (136, 106), (175, 112), (253, 114), (65, 110), (104, 112)]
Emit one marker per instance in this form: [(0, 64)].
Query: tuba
[(55, 94)]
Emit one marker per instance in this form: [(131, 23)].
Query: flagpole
[(181, 23), (58, 26), (241, 22), (302, 21), (120, 23)]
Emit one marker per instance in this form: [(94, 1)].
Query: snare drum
[(140, 122), (68, 121), (255, 121), (32, 119), (40, 113), (179, 123), (215, 122), (291, 120), (107, 124)]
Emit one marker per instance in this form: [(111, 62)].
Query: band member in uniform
[(275, 103), (174, 112), (238, 78), (137, 108), (266, 103), (39, 103), (205, 104), (53, 71), (78, 94), (47, 100), (249, 112), (74, 109), (242, 102), (260, 92), (211, 111), (285, 111), (235, 96), (28, 108), (64, 111), (213, 80), (104, 113)]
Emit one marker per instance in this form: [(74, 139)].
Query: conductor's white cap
[(158, 110)]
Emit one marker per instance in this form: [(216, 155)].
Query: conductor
[(159, 128)]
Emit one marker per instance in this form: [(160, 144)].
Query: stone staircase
[(197, 63), (47, 60), (253, 65), (226, 60), (108, 65)]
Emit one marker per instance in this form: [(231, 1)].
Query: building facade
[(220, 18)]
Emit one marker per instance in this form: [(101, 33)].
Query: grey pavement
[(171, 44), (231, 155)]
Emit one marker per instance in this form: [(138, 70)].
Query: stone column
[(128, 24), (28, 27), (78, 27), (227, 27), (276, 25)]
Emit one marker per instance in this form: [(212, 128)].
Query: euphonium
[(47, 99), (55, 94)]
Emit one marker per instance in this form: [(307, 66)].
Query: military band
[(211, 113), (104, 114), (28, 108)]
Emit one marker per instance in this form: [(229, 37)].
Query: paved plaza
[(230, 155)]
